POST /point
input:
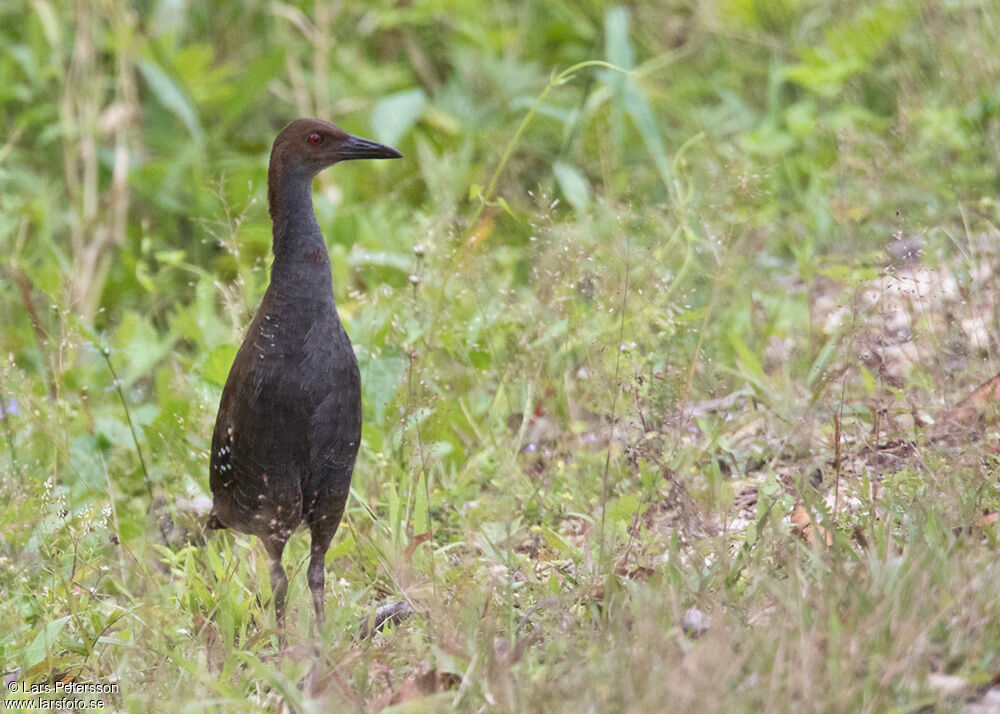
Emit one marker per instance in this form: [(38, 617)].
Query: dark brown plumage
[(289, 421)]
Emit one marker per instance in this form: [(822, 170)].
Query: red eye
[(315, 139)]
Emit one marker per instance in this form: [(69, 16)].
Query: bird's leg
[(279, 582), (316, 573)]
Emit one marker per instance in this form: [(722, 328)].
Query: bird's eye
[(315, 139)]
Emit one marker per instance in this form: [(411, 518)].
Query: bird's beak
[(357, 148)]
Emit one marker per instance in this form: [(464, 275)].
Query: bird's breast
[(305, 349)]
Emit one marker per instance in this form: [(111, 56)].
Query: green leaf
[(420, 517), (215, 367), (170, 95), (480, 359), (752, 368), (628, 95), (573, 185), (642, 115), (381, 259), (39, 648), (252, 80), (624, 508), (49, 20), (395, 511), (380, 378), (114, 430), (141, 347), (554, 540), (617, 47), (502, 202), (393, 116), (341, 547), (819, 365)]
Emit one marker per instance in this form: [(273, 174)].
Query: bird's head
[(307, 146)]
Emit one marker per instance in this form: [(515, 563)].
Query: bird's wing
[(257, 456)]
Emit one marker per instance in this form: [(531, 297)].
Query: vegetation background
[(658, 321)]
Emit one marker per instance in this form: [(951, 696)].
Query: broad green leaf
[(393, 116), (554, 540), (141, 347), (39, 648), (252, 80), (380, 378), (480, 359), (573, 185), (341, 546), (216, 365), (173, 99), (625, 508)]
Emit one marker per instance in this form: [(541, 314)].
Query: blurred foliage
[(605, 213)]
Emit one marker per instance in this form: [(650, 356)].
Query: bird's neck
[(300, 256), (291, 207)]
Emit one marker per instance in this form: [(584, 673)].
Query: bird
[(289, 422)]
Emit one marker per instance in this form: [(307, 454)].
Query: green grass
[(628, 300)]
